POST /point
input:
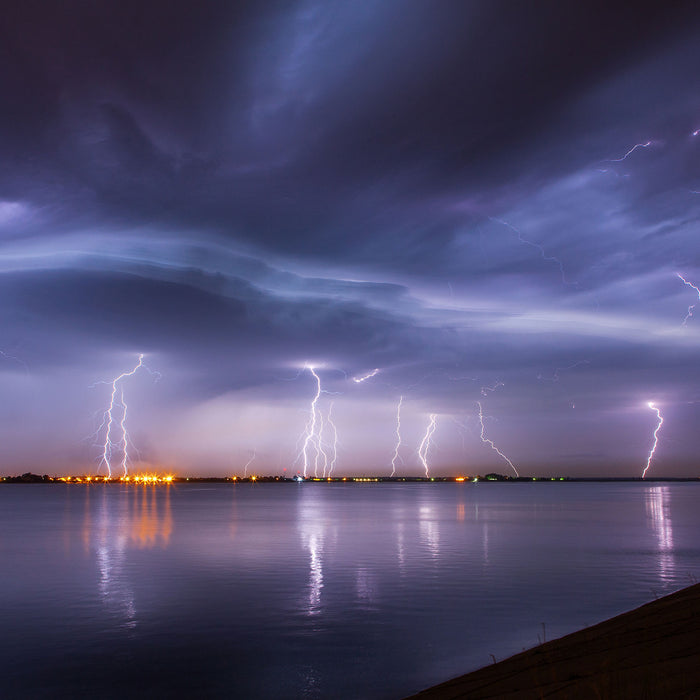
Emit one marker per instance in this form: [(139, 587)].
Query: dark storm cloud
[(94, 311), (445, 191), (305, 127)]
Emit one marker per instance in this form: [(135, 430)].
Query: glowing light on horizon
[(121, 443), (425, 443), (660, 422), (143, 479), (691, 308), (486, 440), (630, 152), (359, 380), (398, 437)]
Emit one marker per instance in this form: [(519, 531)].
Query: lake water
[(317, 590)]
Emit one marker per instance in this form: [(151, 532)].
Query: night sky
[(447, 192)]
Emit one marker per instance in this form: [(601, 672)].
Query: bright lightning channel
[(629, 153), (247, 464), (373, 373), (398, 437), (119, 444), (660, 418), (691, 308), (486, 441), (425, 443), (330, 422), (312, 436)]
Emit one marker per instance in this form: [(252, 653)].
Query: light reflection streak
[(485, 541), (400, 547), (110, 545), (147, 527), (429, 530), (659, 514), (132, 516), (365, 586), (312, 532)]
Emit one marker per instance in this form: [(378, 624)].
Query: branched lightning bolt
[(122, 427), (653, 407), (318, 445), (425, 443), (313, 448), (398, 437), (555, 377), (373, 373), (7, 356), (486, 441), (120, 443), (691, 308), (247, 464), (545, 257), (629, 153), (330, 422), (485, 389), (311, 439)]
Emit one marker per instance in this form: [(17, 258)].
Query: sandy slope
[(650, 652)]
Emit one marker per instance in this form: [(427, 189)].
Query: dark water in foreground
[(317, 590)]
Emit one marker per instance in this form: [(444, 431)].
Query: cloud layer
[(463, 197)]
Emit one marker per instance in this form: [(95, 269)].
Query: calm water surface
[(317, 590)]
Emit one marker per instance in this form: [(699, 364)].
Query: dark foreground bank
[(650, 652)]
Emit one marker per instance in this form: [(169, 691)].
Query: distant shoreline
[(29, 478)]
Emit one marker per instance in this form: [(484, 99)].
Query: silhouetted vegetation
[(28, 478)]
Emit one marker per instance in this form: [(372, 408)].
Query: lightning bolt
[(543, 253), (484, 389), (656, 436), (119, 443), (311, 438), (629, 153), (555, 377), (247, 464), (373, 373), (330, 422), (318, 445), (486, 441), (425, 443), (462, 428), (691, 308), (7, 356), (398, 437)]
